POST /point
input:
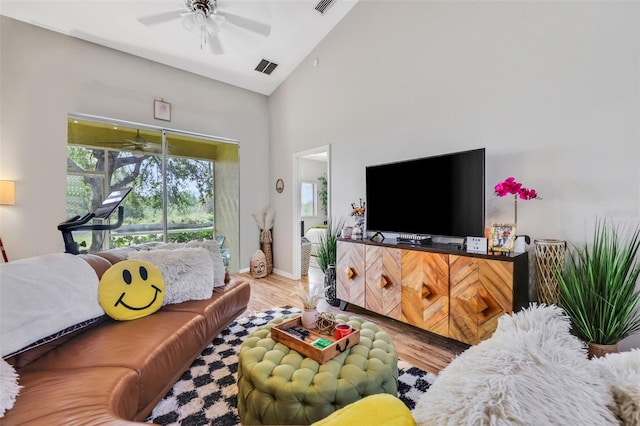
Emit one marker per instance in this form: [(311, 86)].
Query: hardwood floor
[(425, 350)]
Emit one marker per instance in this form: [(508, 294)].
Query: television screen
[(432, 196)]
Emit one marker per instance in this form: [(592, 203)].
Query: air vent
[(266, 67), (323, 5)]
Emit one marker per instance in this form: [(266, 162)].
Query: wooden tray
[(305, 347)]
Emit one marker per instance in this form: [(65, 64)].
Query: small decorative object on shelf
[(357, 211), (503, 236), (509, 186)]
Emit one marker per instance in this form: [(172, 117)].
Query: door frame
[(295, 226)]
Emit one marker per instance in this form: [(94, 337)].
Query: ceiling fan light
[(199, 17)]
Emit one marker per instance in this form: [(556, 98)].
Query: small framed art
[(279, 186), (161, 110), (503, 237)]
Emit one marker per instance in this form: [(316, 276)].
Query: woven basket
[(549, 259)]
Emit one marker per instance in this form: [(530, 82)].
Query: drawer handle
[(425, 291), (350, 273), (384, 282), (478, 302)]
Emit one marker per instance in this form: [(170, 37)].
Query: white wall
[(45, 76), (550, 89)]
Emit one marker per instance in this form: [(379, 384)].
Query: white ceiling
[(296, 28)]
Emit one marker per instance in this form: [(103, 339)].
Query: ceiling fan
[(220, 28), (136, 144)]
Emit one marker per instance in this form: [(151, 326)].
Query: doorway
[(311, 199)]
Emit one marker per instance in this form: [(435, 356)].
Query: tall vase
[(330, 286), (265, 246), (549, 260)]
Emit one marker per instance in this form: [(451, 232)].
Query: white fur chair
[(533, 371)]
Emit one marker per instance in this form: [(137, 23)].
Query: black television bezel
[(480, 221)]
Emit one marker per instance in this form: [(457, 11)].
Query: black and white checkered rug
[(206, 394)]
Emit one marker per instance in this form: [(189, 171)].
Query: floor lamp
[(7, 197)]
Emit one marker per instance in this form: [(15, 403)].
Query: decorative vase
[(358, 226), (309, 317), (549, 260), (265, 245), (597, 350), (330, 286)]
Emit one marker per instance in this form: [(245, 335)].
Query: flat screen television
[(433, 196)]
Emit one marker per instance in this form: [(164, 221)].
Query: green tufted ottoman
[(277, 385)]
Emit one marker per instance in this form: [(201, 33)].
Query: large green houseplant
[(327, 252), (598, 286), (327, 247)]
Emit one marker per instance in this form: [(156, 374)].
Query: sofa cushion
[(531, 371), (105, 395), (159, 347), (188, 272)]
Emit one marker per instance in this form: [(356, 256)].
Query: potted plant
[(310, 299), (327, 251), (598, 288)]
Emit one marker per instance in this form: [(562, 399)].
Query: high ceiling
[(132, 26)]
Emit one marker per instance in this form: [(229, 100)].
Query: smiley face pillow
[(131, 289)]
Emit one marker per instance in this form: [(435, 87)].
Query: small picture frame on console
[(503, 237)]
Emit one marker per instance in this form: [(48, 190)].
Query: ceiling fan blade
[(246, 23), (189, 21), (159, 18)]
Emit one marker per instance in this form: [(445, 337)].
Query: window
[(308, 199), (172, 200)]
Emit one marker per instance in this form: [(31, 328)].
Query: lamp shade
[(7, 192)]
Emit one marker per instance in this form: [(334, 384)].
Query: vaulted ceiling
[(158, 30)]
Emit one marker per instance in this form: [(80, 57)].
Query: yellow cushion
[(380, 409), (131, 289)]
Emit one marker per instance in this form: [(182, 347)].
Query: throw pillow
[(9, 386), (622, 372), (42, 295), (531, 371), (188, 272), (131, 289), (218, 265)]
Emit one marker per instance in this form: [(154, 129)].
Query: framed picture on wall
[(503, 237), (161, 110)]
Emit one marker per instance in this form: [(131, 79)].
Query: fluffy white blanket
[(532, 371), (42, 295)]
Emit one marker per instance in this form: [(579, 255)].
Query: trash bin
[(305, 253)]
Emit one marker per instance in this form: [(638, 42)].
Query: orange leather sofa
[(116, 372)]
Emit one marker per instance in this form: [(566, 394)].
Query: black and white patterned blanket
[(206, 394)]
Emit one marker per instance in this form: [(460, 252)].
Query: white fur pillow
[(9, 388), (218, 265), (622, 372), (530, 372), (187, 272)]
